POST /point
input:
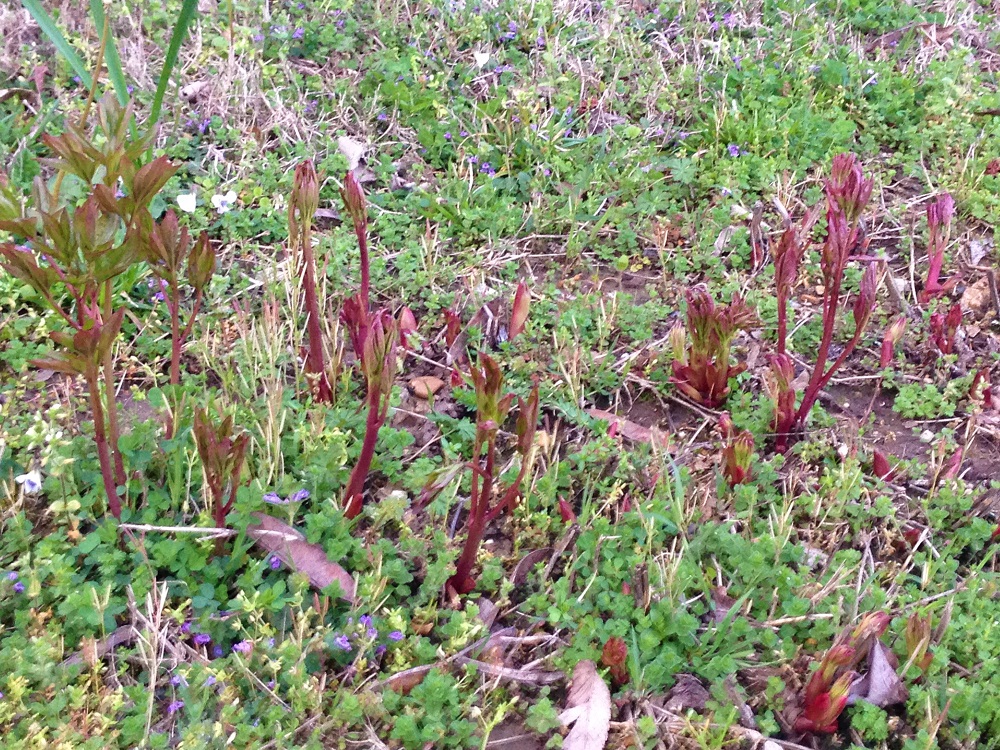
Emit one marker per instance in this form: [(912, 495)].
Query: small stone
[(926, 436), (426, 386)]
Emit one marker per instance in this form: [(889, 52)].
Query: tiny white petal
[(187, 202), (481, 58), (217, 200), (231, 197)]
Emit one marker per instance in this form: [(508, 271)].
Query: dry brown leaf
[(426, 386), (631, 430), (881, 686), (976, 297), (588, 709), (688, 693), (527, 563), (291, 547)]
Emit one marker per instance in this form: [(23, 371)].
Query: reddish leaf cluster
[(492, 408), (701, 354), (827, 691), (737, 451), (847, 195), (944, 328), (614, 655), (939, 216)]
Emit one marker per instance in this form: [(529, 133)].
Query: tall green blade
[(176, 39), (48, 26), (114, 62)]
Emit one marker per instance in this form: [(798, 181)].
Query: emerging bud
[(918, 639), (890, 340), (881, 467), (407, 327), (847, 187), (354, 201), (519, 314), (305, 190), (864, 303), (613, 656), (201, 263), (566, 511), (678, 344)]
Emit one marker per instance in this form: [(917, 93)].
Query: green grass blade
[(176, 39), (111, 58), (47, 25)]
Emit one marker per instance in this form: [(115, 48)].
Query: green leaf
[(46, 24), (184, 19), (114, 62)]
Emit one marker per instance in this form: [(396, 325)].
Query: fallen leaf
[(881, 686), (631, 430), (190, 92), (91, 650), (688, 693), (976, 297), (352, 151), (527, 563), (426, 386), (588, 709), (291, 547)]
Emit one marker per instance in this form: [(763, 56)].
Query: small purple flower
[(396, 635), (273, 498), (487, 169), (342, 642), (243, 647), (725, 192), (280, 29), (258, 37), (210, 680), (119, 192), (683, 135), (178, 681), (270, 642), (714, 26), (515, 119), (736, 62), (546, 171), (174, 707), (270, 684), (378, 652), (275, 562), (463, 133), (12, 576), (365, 620), (540, 42), (186, 627), (18, 588), (447, 135), (733, 150), (382, 117), (340, 23), (298, 496), (298, 33), (473, 160), (217, 652), (201, 639)]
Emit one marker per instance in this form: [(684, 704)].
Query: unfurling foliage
[(701, 354), (737, 451), (944, 328), (492, 408), (847, 195), (222, 452), (71, 255), (939, 216), (301, 209), (826, 693)]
